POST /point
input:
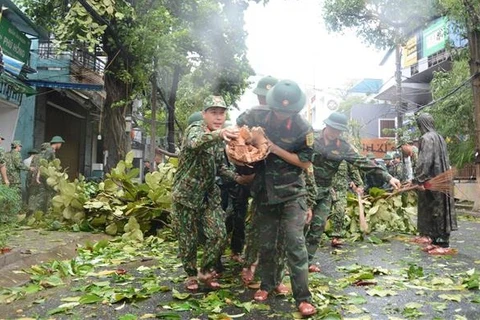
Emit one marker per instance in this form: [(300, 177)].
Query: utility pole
[(153, 124), (398, 87)]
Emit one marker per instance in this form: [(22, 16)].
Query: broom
[(440, 183), (363, 221)]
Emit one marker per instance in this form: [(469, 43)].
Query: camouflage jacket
[(346, 173), (14, 166), (397, 170), (201, 160), (327, 159), (47, 153), (276, 181), (2, 157)]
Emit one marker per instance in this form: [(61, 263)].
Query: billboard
[(13, 42), (409, 52), (435, 37)]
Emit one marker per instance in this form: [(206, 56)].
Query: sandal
[(440, 251), (422, 240), (209, 280), (336, 242), (237, 258), (260, 295), (313, 268), (306, 309), (282, 289), (191, 284)]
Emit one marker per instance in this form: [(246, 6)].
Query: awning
[(17, 85), (64, 85)]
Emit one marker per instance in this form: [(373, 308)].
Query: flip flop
[(313, 268), (336, 243), (306, 309), (282, 289), (209, 280), (260, 295), (191, 284)]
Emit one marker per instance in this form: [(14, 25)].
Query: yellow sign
[(409, 52)]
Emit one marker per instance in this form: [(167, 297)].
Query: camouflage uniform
[(280, 196), (14, 166), (346, 173), (41, 194), (327, 159), (196, 197)]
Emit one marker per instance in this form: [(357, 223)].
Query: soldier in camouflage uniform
[(346, 176), (329, 151), (279, 189), (373, 180), (397, 169), (196, 196), (3, 166), (41, 192), (15, 166)]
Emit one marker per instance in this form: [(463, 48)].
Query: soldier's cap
[(16, 143), (404, 141), (370, 156), (387, 157), (194, 117), (264, 85), (286, 96), (33, 151), (396, 155), (337, 121), (214, 102), (57, 139)]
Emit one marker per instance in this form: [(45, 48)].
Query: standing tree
[(202, 42), (467, 14)]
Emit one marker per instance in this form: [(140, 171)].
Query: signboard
[(409, 52), (435, 37), (13, 42), (378, 146)]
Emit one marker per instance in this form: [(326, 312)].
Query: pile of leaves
[(384, 212), (10, 204), (116, 205)]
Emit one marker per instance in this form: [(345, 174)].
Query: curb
[(13, 262)]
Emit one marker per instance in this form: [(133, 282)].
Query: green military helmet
[(387, 156), (16, 143), (337, 121), (264, 85), (396, 155), (33, 151), (214, 101), (57, 139), (194, 117), (286, 96), (370, 156)]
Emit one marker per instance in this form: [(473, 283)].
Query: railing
[(80, 56), (468, 172)]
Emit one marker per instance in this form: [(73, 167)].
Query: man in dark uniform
[(279, 189), (329, 151)]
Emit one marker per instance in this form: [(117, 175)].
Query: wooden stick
[(363, 221)]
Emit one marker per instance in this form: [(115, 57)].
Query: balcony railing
[(79, 56)]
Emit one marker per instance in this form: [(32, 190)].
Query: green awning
[(17, 85)]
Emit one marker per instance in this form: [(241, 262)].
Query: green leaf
[(451, 297), (90, 298), (379, 292), (169, 315)]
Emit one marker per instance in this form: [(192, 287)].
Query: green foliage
[(381, 23), (383, 213), (453, 116), (466, 13), (10, 204), (118, 206)]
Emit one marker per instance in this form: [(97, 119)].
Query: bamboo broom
[(363, 221), (440, 183)]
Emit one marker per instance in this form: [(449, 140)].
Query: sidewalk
[(33, 246)]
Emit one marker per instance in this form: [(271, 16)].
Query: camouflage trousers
[(40, 197), (191, 224), (18, 188), (337, 217), (314, 231), (252, 249), (274, 222)]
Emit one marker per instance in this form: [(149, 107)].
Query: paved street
[(397, 281)]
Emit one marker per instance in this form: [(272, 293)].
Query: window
[(386, 128)]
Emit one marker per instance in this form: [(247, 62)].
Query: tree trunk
[(474, 47), (171, 110), (115, 140)]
